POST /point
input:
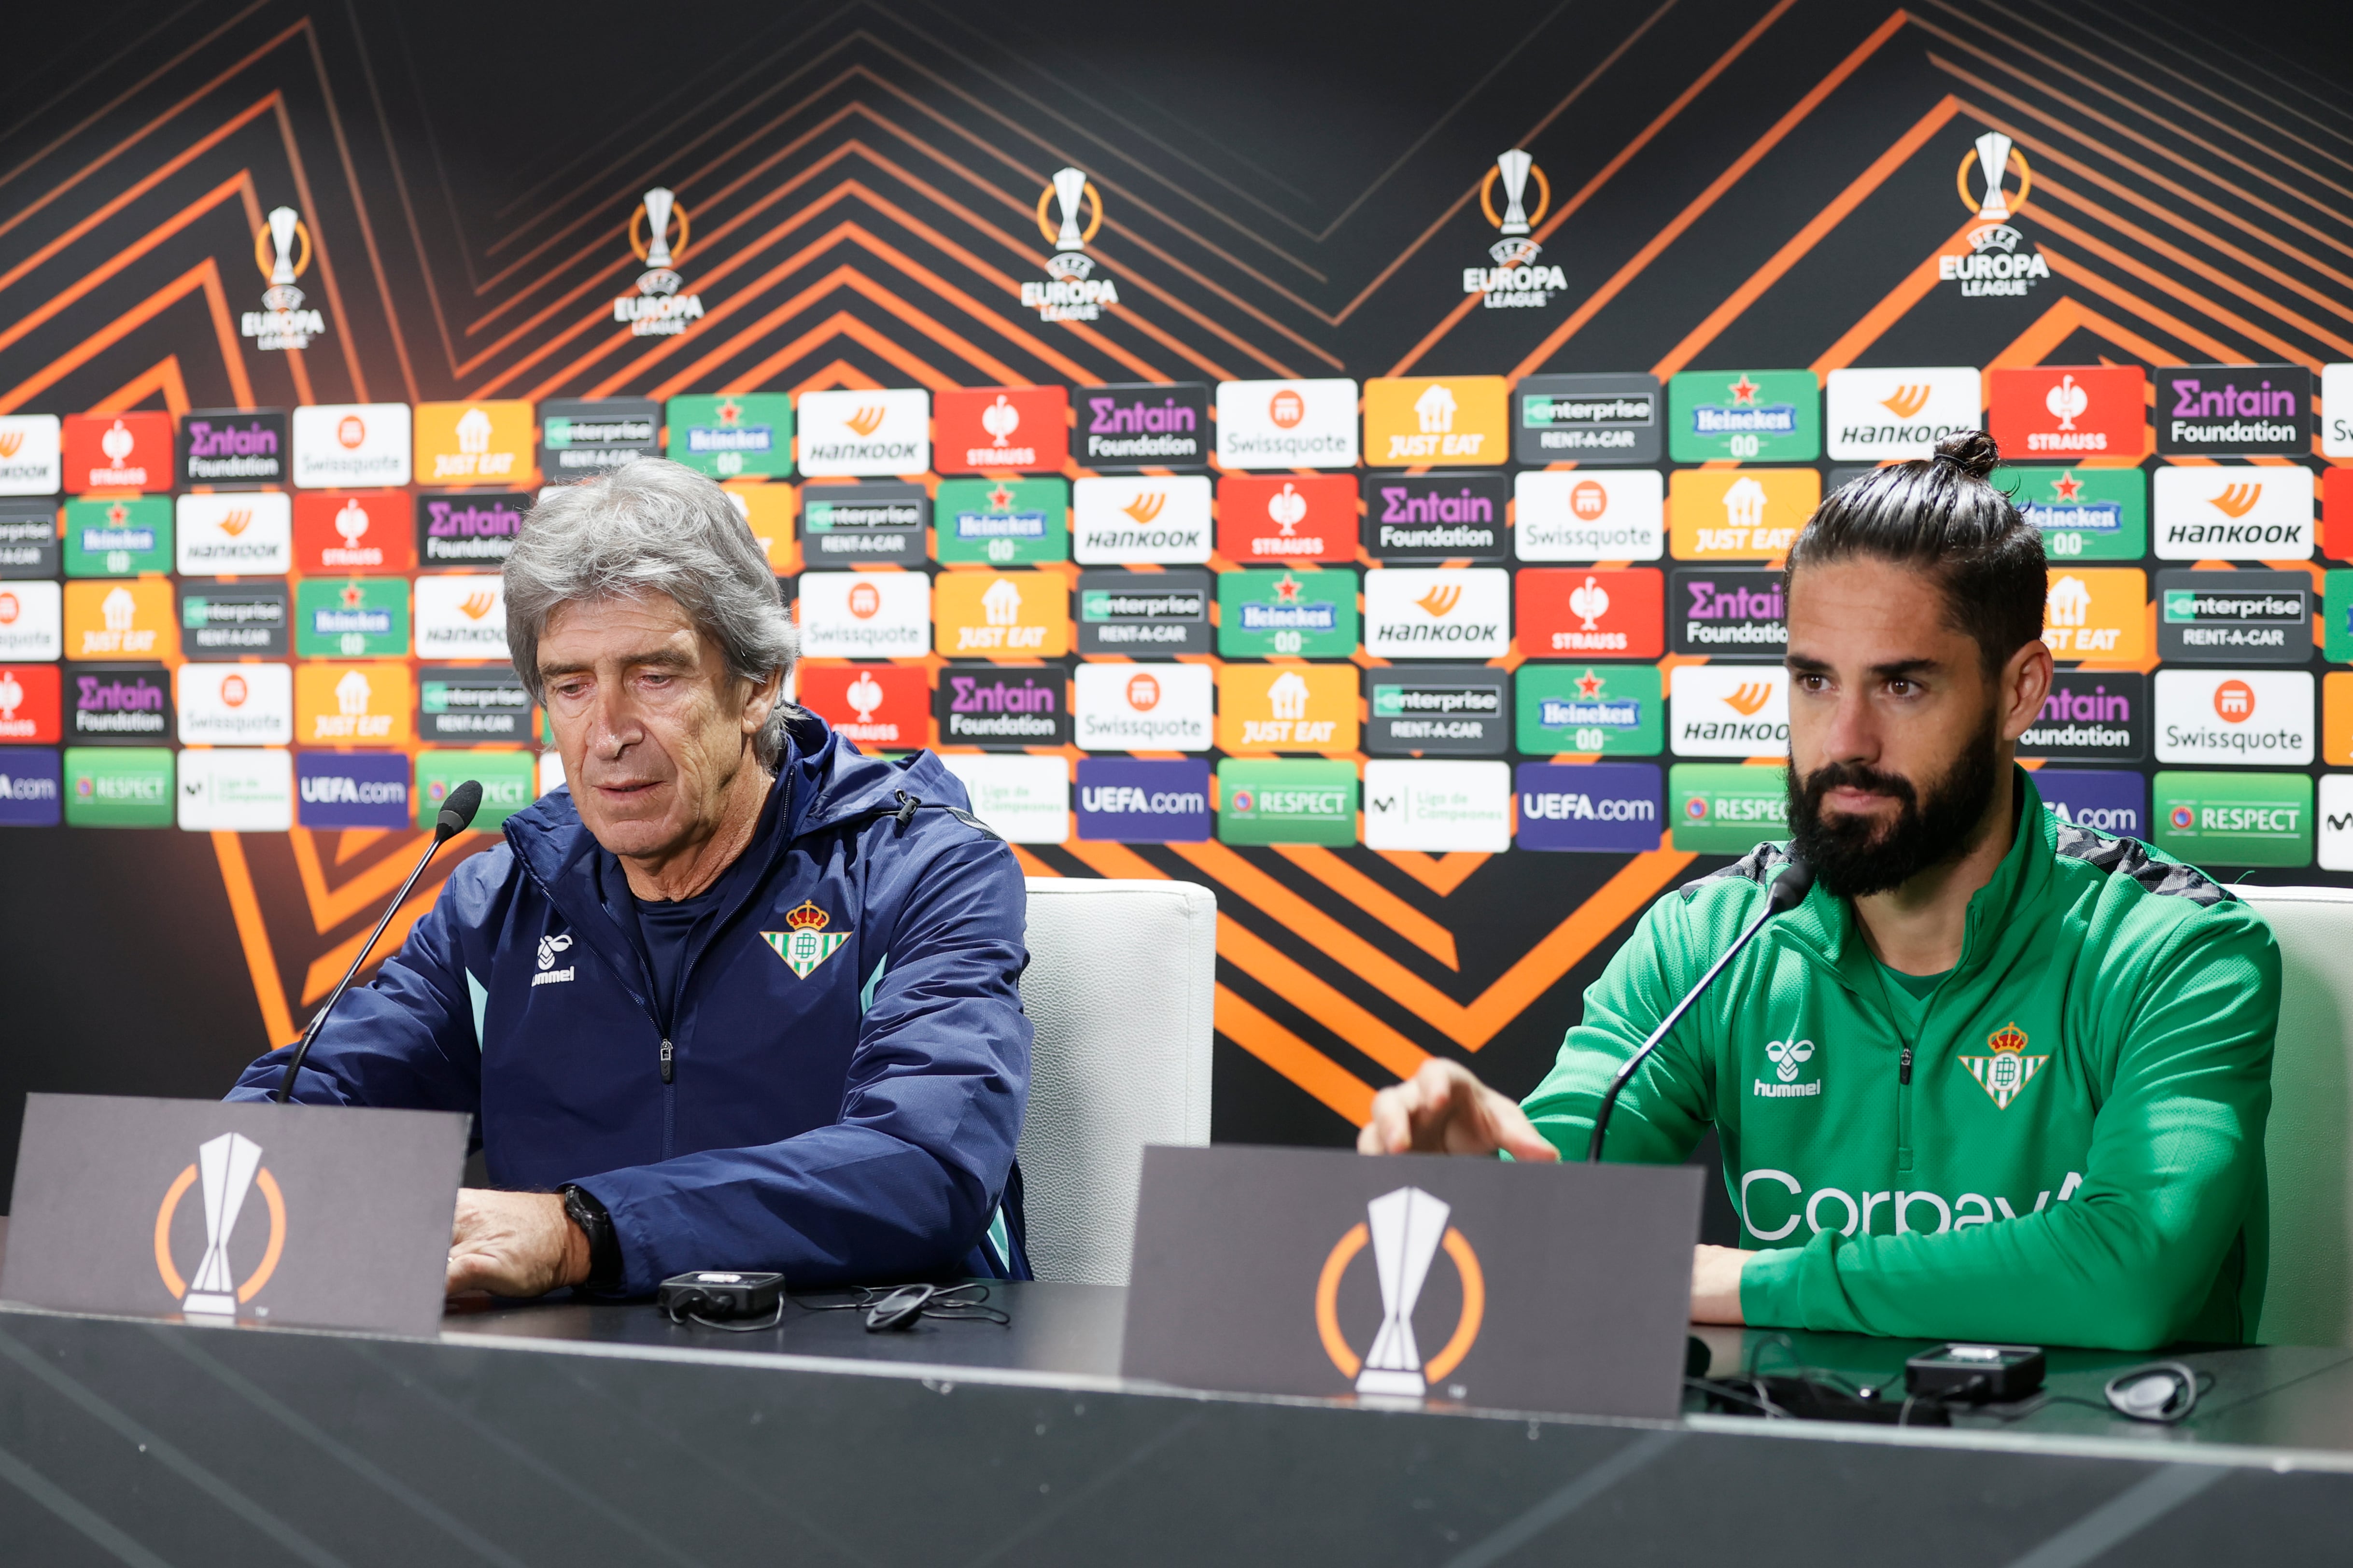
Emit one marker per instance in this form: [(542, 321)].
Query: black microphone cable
[(456, 815)]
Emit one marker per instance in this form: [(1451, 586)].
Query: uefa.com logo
[(1515, 280), (1996, 265), (1071, 293), (281, 249), (658, 309)]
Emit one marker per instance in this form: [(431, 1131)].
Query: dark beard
[(1853, 857)]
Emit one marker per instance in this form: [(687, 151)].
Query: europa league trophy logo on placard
[(229, 1168), (1406, 1228)]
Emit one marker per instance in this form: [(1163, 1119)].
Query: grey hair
[(654, 527)]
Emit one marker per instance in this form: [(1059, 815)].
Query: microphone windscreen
[(458, 811), (1796, 880)]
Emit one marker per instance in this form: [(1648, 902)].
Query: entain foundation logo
[(1071, 291), (282, 248), (1515, 281), (658, 309), (1995, 265)]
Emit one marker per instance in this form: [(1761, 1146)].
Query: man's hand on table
[(514, 1244), (1444, 1109)]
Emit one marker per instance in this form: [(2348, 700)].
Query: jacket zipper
[(667, 1071), (1903, 1110)]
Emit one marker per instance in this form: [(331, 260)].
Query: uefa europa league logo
[(285, 234), (660, 275), (1511, 173), (1406, 1228), (228, 1168), (1075, 197)]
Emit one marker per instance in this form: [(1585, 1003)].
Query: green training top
[(2062, 1143)]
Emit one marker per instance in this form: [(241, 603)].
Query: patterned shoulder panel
[(1759, 866), (2130, 857)]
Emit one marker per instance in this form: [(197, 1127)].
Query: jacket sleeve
[(408, 1038), (1664, 1107), (2132, 1255), (903, 1183)]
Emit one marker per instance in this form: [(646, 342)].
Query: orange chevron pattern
[(1736, 179)]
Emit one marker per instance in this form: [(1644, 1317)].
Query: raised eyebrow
[(1801, 664), (1905, 668), (663, 657)]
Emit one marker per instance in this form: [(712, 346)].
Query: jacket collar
[(823, 782)]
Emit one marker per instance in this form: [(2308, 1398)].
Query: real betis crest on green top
[(808, 943)]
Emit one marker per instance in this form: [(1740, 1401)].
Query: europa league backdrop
[(1340, 456)]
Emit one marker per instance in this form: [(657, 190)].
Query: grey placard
[(1259, 1270), (28, 537), (2234, 618), (1437, 710), (1607, 419), (329, 1217)]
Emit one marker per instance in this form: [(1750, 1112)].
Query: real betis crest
[(808, 943), (2006, 1073)]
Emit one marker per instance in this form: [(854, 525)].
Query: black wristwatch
[(582, 1209)]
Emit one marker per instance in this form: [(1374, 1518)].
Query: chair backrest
[(2308, 1145), (1121, 987)]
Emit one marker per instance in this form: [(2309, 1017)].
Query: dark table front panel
[(599, 1434)]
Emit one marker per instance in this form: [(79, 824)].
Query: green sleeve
[(2130, 1258), (1664, 1106)]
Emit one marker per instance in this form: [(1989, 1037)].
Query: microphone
[(1789, 891), (456, 814)]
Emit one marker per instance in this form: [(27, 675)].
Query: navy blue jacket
[(848, 1055)]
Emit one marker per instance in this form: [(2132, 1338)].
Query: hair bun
[(1971, 451)]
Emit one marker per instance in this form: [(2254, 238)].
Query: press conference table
[(593, 1434)]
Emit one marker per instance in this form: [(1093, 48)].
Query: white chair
[(2308, 1144), (1121, 987)]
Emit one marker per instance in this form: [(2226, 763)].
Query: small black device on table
[(711, 1296)]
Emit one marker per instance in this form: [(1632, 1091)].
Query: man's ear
[(2025, 683), (760, 699)]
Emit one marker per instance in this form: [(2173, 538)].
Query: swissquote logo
[(658, 309), (2008, 1069), (229, 1167), (1789, 1059), (1515, 281), (1071, 293), (549, 947), (1407, 1229), (805, 944), (282, 248), (1995, 265)]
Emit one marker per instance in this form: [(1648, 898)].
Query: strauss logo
[(1440, 600), (1286, 509), (1145, 506), (12, 694), (1589, 601), (1749, 697), (474, 606), (1001, 419), (236, 522), (352, 522), (1907, 402), (865, 421), (2067, 402), (2236, 500), (865, 695), (117, 442)]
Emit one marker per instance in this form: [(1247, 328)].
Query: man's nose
[(1852, 735)]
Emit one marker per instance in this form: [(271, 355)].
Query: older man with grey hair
[(737, 996)]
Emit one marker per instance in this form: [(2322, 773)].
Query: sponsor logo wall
[(1158, 559)]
